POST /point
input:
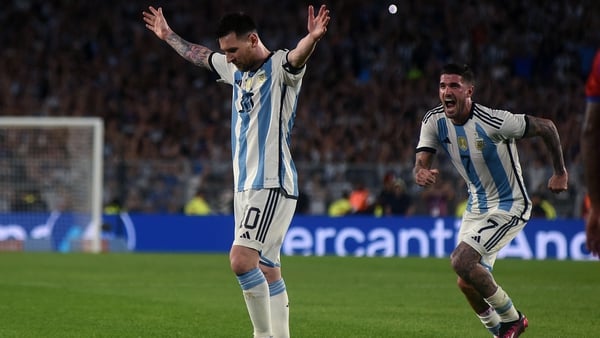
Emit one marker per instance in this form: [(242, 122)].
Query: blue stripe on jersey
[(465, 158), (243, 152), (469, 203), (494, 164), (264, 120), (288, 139), (443, 134), (243, 144), (234, 117)]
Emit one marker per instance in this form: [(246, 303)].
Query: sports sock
[(503, 306), (256, 294), (280, 310), (491, 320)]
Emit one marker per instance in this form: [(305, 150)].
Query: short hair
[(464, 71), (240, 23)]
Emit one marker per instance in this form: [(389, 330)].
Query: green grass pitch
[(196, 295)]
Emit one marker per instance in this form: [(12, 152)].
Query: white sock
[(503, 306), (491, 320), (280, 310), (256, 294)]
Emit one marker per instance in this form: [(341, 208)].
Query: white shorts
[(488, 233), (262, 218)]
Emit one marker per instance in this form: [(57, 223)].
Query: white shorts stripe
[(267, 218)]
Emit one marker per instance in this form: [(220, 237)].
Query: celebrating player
[(265, 85), (481, 143)]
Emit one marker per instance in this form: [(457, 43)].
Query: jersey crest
[(479, 144), (462, 143)]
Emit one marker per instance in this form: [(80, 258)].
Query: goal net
[(51, 183)]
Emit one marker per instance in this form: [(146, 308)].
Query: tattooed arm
[(547, 131), (156, 22), (424, 175)]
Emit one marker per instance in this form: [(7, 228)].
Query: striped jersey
[(484, 152), (262, 117), (592, 86)]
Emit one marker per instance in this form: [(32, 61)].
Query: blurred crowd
[(364, 94)]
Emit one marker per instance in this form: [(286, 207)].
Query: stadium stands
[(365, 91)]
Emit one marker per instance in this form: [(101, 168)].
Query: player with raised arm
[(590, 139), (266, 85), (481, 143)]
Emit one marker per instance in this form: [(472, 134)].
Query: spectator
[(360, 199), (438, 199), (29, 201), (461, 208), (340, 206), (102, 67), (197, 205), (113, 207), (541, 207), (393, 198)]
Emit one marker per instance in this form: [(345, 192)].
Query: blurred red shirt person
[(590, 138)]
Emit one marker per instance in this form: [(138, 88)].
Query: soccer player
[(481, 143), (590, 139), (266, 85)]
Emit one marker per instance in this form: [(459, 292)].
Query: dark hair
[(239, 23), (464, 71)]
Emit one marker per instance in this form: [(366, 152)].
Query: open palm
[(156, 22), (317, 25)]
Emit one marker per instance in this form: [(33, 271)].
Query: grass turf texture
[(195, 295)]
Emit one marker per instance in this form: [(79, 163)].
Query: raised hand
[(156, 22), (317, 25)]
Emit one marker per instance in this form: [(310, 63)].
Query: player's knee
[(242, 261), (461, 267), (456, 263), (464, 259), (239, 265), (272, 274)]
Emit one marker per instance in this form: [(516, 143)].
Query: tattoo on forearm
[(196, 54), (549, 134)]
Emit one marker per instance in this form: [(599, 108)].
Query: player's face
[(238, 50), (455, 95)]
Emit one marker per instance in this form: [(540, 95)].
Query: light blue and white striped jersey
[(484, 152), (262, 117)]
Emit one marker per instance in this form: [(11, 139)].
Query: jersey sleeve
[(513, 126), (592, 85), (428, 139), (291, 75), (218, 63)]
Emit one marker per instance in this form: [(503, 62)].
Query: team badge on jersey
[(462, 143), (258, 78), (261, 77), (248, 83), (479, 144)]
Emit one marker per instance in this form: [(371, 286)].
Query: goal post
[(51, 181)]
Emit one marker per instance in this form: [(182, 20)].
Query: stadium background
[(366, 88), (369, 82)]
